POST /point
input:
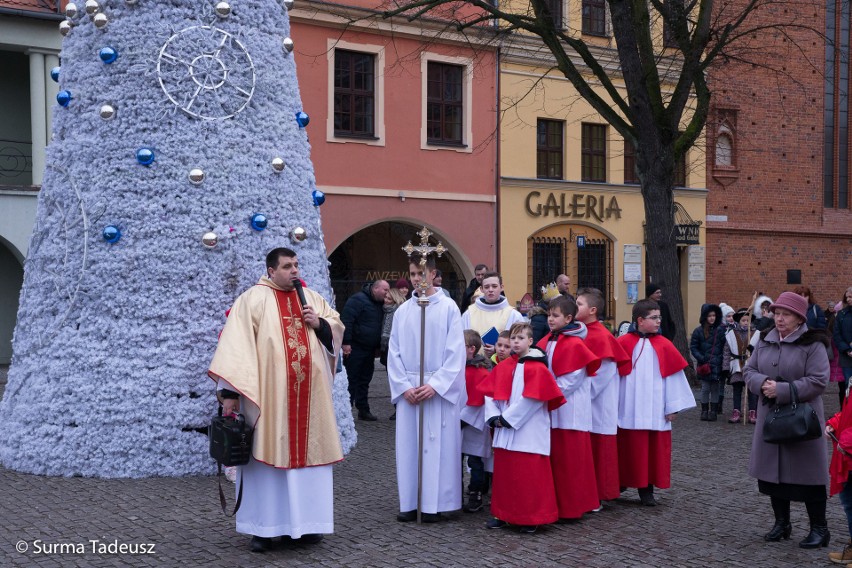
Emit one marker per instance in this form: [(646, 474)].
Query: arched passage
[(375, 252), (557, 250), (11, 280)]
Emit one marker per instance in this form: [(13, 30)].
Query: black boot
[(646, 496), (704, 415), (711, 416), (819, 536), (781, 529)]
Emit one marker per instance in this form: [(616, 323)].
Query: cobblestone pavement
[(712, 516)]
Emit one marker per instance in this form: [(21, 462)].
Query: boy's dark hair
[(430, 261), (504, 334), (472, 339), (567, 306), (274, 255), (520, 327), (642, 308), (493, 274), (594, 298)]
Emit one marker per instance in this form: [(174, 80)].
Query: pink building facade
[(403, 134)]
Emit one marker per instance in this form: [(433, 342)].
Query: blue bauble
[(145, 156), (108, 54), (259, 221), (54, 74), (319, 197), (303, 119), (63, 98), (111, 234)]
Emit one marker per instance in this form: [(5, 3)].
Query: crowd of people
[(552, 424)]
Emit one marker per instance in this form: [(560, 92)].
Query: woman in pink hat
[(789, 354)]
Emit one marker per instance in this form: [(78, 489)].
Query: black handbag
[(230, 444), (230, 439), (794, 422)]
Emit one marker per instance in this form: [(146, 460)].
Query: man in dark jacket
[(362, 315), (467, 298), (667, 324)]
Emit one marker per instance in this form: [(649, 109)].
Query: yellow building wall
[(528, 94)]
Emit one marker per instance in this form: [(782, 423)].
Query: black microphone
[(297, 284)]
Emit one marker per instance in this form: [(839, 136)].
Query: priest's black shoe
[(310, 539), (407, 517), (819, 536), (430, 517), (781, 529), (367, 416), (260, 544)]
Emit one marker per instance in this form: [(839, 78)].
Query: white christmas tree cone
[(132, 267)]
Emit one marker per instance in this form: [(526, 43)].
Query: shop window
[(549, 149), (548, 258), (593, 152), (444, 103), (593, 268), (354, 93), (594, 17)]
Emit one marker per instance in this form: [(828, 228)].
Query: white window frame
[(379, 95), (467, 100)]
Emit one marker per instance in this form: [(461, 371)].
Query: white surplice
[(444, 371), (279, 502), (604, 391), (576, 413), (645, 397), (530, 420)]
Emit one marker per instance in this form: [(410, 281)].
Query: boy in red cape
[(520, 393), (572, 363), (650, 396), (614, 362), (839, 428), (476, 438)]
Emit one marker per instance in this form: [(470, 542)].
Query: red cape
[(570, 354), (473, 377), (671, 361), (539, 383), (841, 465), (603, 344)]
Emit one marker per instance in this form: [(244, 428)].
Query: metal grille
[(549, 259), (594, 269)]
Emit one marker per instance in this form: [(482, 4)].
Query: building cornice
[(584, 186), (402, 195)]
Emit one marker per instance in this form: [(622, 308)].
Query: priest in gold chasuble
[(275, 363)]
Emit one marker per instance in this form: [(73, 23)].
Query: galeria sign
[(573, 206)]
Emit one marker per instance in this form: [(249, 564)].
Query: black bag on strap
[(794, 422), (230, 444)]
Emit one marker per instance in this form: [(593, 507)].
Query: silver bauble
[(210, 239), (223, 9), (92, 7), (100, 21), (130, 2), (64, 27), (288, 4), (71, 10), (107, 112), (278, 165), (298, 235), (196, 176), (287, 43)]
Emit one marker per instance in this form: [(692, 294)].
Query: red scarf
[(539, 383), (671, 361), (603, 344)]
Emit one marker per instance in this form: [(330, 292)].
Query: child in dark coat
[(706, 346)]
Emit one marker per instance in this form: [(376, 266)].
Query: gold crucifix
[(424, 249)]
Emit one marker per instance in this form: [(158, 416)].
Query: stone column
[(38, 115)]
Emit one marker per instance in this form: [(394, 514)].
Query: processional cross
[(424, 249)]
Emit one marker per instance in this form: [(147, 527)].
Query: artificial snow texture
[(113, 341)]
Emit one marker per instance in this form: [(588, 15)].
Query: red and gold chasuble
[(299, 390), (283, 374)]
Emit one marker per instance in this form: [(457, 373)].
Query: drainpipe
[(497, 170)]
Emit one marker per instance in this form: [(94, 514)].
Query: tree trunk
[(661, 249)]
